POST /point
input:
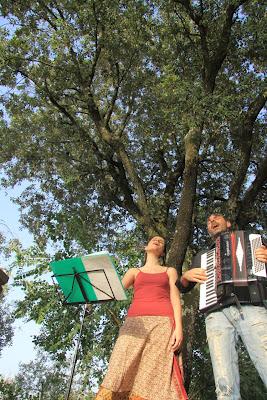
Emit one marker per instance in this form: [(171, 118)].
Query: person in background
[(142, 365), (3, 279)]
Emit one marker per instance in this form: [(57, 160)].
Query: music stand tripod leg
[(75, 356)]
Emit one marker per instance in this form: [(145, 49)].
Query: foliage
[(8, 390), (202, 382), (60, 324), (42, 379), (249, 378), (112, 130), (6, 315), (6, 324), (40, 376)]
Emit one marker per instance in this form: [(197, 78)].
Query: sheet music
[(103, 276), (91, 278)]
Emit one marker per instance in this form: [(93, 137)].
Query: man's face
[(216, 224)]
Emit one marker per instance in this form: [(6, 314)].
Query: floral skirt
[(142, 365)]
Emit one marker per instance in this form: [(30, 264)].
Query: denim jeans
[(223, 328)]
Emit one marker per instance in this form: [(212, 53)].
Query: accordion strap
[(238, 305)]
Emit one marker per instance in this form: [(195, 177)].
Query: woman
[(142, 365)]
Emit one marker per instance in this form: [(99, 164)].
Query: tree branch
[(114, 96), (251, 194), (221, 50), (171, 182), (212, 65), (242, 134)]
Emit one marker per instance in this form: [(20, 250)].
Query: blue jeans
[(223, 328)]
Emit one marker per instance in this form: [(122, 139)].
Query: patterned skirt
[(142, 365)]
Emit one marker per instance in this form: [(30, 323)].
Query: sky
[(22, 349)]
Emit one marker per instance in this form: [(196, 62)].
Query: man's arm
[(193, 276)]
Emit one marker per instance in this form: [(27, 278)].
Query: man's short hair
[(220, 214), (227, 217)]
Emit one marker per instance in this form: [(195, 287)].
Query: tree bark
[(183, 226)]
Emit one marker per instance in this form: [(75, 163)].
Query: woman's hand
[(176, 339)]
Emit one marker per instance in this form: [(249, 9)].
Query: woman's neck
[(152, 262)]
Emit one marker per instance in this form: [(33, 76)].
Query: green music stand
[(88, 279)]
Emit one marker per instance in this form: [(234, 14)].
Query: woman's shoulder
[(136, 269), (169, 268), (172, 272), (129, 277), (133, 271)]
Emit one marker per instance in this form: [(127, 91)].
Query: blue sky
[(22, 349)]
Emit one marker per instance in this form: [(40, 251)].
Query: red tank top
[(151, 295)]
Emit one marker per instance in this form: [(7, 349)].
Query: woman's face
[(156, 245)]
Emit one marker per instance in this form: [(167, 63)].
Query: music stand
[(88, 279)]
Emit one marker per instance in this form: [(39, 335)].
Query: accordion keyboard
[(258, 267), (208, 296)]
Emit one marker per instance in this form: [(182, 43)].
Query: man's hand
[(194, 275), (261, 254)]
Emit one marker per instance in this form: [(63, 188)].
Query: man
[(229, 319)]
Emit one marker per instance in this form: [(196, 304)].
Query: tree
[(6, 316), (60, 325), (134, 114), (6, 321), (43, 379), (8, 389)]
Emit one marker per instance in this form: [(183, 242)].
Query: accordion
[(232, 270)]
